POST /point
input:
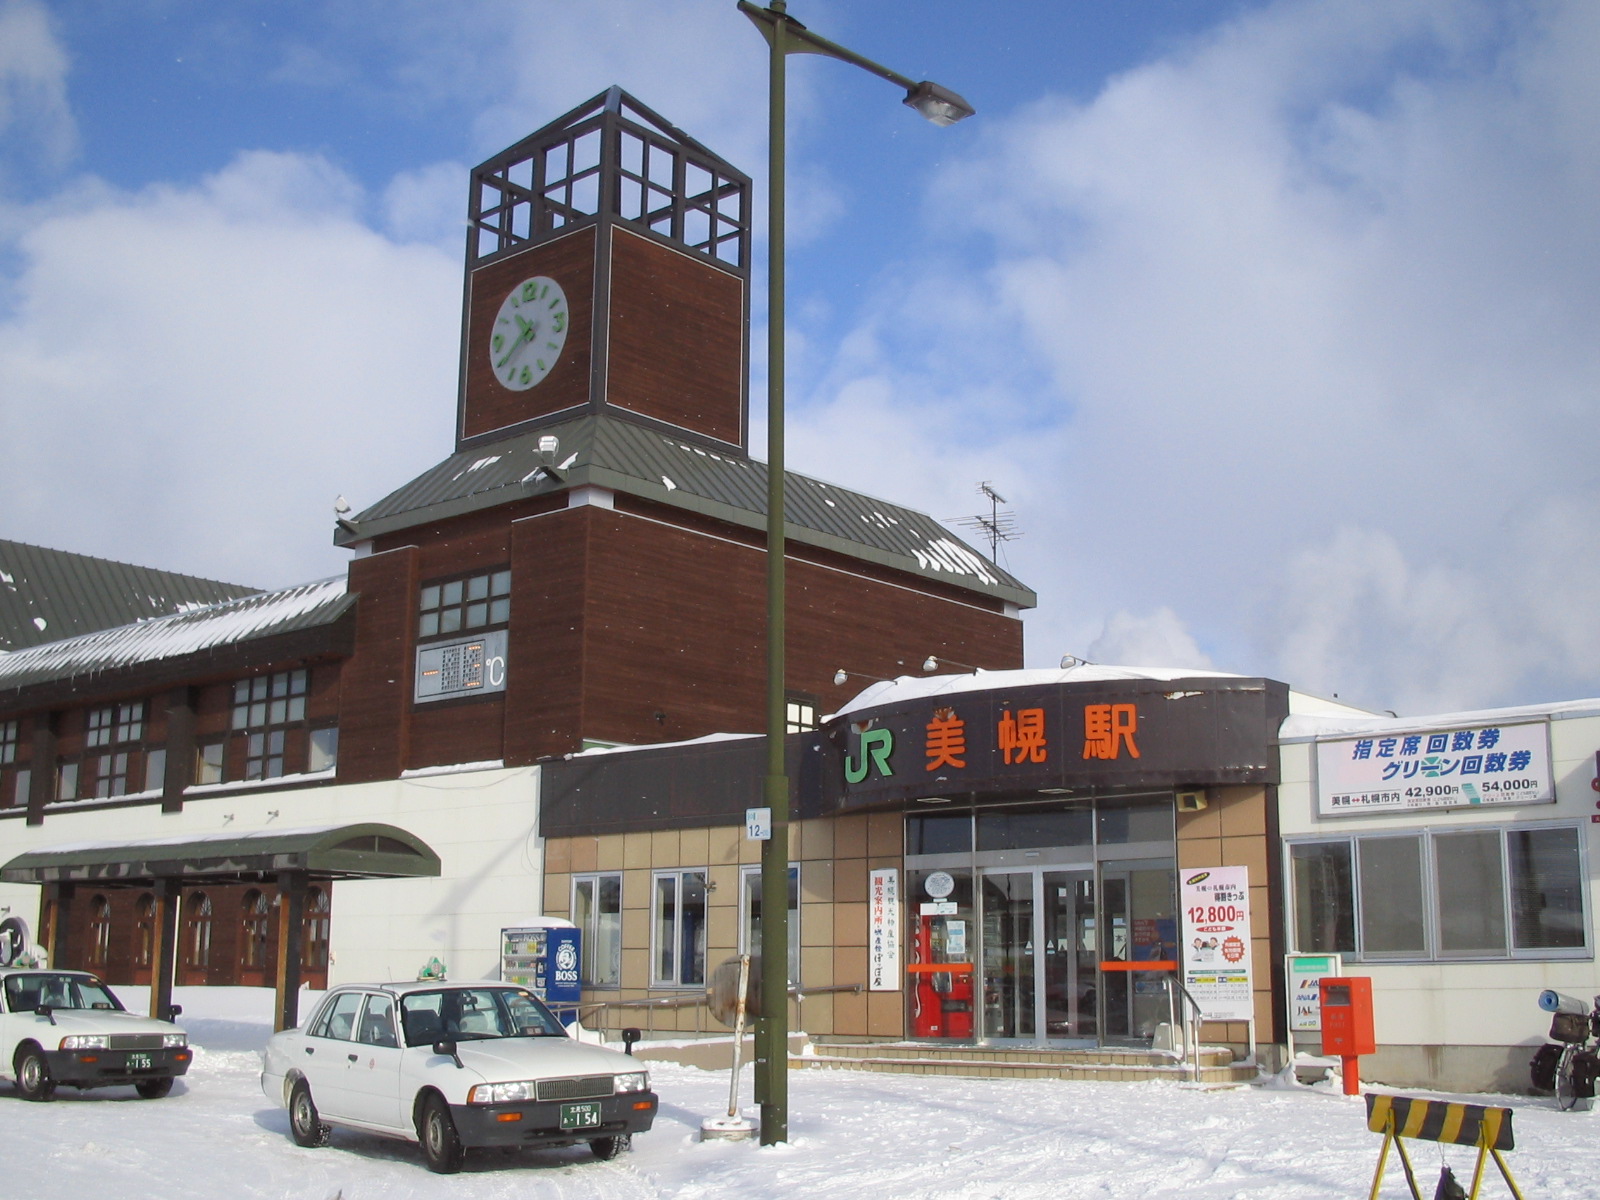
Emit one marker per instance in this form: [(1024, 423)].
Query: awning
[(364, 851)]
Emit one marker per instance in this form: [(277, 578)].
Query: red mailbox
[(1347, 1024)]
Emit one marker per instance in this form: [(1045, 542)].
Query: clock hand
[(529, 329)]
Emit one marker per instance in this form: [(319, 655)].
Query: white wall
[(1468, 1003), (481, 823)]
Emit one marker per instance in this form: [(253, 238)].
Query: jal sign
[(472, 666), (1435, 768)]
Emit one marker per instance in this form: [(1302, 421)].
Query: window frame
[(10, 740), (748, 942), (438, 590), (589, 943), (677, 977), (1433, 933)]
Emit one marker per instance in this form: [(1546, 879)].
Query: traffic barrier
[(1399, 1117)]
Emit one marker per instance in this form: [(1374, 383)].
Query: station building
[(532, 694)]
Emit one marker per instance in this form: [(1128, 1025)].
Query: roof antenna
[(995, 528)]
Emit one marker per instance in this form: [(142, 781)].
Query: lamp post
[(786, 36)]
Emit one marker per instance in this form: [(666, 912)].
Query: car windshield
[(24, 993), (474, 1014)]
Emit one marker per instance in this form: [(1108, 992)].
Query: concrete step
[(1022, 1062)]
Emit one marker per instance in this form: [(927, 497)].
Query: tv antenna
[(995, 528)]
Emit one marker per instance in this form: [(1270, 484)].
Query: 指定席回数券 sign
[(1435, 768), (1215, 908)]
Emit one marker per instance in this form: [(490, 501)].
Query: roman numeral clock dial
[(528, 333)]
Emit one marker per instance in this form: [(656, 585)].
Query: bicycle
[(1570, 1066)]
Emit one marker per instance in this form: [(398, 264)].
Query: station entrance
[(1042, 923)]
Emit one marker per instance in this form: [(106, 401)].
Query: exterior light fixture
[(939, 104), (933, 664)]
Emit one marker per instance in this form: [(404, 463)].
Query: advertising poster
[(1305, 974), (1435, 768), (1215, 909), (883, 930)]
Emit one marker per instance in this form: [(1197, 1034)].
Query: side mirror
[(629, 1037), (45, 1011), (174, 1011), (447, 1047)]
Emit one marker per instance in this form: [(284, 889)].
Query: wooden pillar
[(180, 747), (42, 782), (291, 921), (59, 898), (164, 948)]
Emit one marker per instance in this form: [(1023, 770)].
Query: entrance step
[(1022, 1062)]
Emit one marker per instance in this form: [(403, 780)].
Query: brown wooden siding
[(375, 706), (457, 731), (487, 405), (545, 677), (677, 338)]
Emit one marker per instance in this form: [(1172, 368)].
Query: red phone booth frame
[(941, 998)]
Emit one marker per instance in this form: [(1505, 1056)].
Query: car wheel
[(153, 1089), (607, 1148), (305, 1126), (33, 1075), (441, 1145)]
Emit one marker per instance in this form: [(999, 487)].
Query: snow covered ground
[(887, 1137)]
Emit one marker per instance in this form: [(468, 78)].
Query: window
[(260, 707), (111, 775), (144, 930), (324, 752), (750, 916), (800, 712), (473, 602), (99, 933), (597, 911), (254, 917), (67, 781), (1461, 893), (208, 762), (115, 724), (678, 953), (197, 932), (155, 770), (314, 945), (8, 742), (338, 1020), (23, 785)]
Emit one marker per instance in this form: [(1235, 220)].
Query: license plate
[(139, 1062), (580, 1116)]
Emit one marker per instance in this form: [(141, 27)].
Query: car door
[(373, 1065), (328, 1054)]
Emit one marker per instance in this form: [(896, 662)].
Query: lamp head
[(931, 665), (549, 447), (840, 676), (939, 104)]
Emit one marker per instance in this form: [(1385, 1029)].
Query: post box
[(1347, 1024)]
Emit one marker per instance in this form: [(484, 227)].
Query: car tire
[(607, 1148), (33, 1075), (153, 1089), (441, 1145), (306, 1127)]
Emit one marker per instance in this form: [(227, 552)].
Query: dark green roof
[(47, 595), (708, 478)]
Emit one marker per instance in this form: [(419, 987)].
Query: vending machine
[(542, 955)]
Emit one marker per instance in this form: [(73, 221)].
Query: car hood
[(508, 1059), (104, 1020)]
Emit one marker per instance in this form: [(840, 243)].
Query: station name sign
[(470, 666), (1435, 768), (1118, 733)]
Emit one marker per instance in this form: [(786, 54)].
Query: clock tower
[(608, 271)]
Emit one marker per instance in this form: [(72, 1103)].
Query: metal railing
[(1189, 1026), (607, 1014)]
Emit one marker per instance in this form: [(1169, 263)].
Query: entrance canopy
[(364, 851)]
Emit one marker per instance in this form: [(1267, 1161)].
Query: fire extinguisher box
[(1347, 1015)]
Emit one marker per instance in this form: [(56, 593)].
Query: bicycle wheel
[(1566, 1086)]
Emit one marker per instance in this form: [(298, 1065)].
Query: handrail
[(698, 1000)]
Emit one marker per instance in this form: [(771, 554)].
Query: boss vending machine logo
[(567, 964)]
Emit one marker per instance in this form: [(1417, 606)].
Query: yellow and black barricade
[(1398, 1117)]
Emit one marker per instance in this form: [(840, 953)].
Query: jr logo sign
[(876, 746)]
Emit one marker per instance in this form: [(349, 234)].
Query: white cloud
[(1331, 267), (1157, 640), (33, 90), (192, 374)]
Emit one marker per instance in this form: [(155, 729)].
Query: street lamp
[(786, 36)]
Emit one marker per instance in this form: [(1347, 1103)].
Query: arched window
[(144, 930), (197, 931), (99, 933), (314, 948), (254, 916)]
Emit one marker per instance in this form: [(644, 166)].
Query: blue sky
[(1273, 320)]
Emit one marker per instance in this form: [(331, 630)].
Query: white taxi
[(453, 1066), (66, 1027)]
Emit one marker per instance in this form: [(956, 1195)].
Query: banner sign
[(1441, 768), (883, 930), (1304, 973), (1215, 907)]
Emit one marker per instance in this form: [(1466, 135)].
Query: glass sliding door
[(1009, 946)]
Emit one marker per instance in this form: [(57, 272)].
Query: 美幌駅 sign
[(1438, 768), (1215, 907)]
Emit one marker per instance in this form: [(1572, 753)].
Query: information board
[(1398, 771), (883, 930), (1215, 919)]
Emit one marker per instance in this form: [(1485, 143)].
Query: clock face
[(528, 333)]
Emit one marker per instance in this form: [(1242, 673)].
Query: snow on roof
[(1309, 727), (197, 629), (183, 839), (919, 687)]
